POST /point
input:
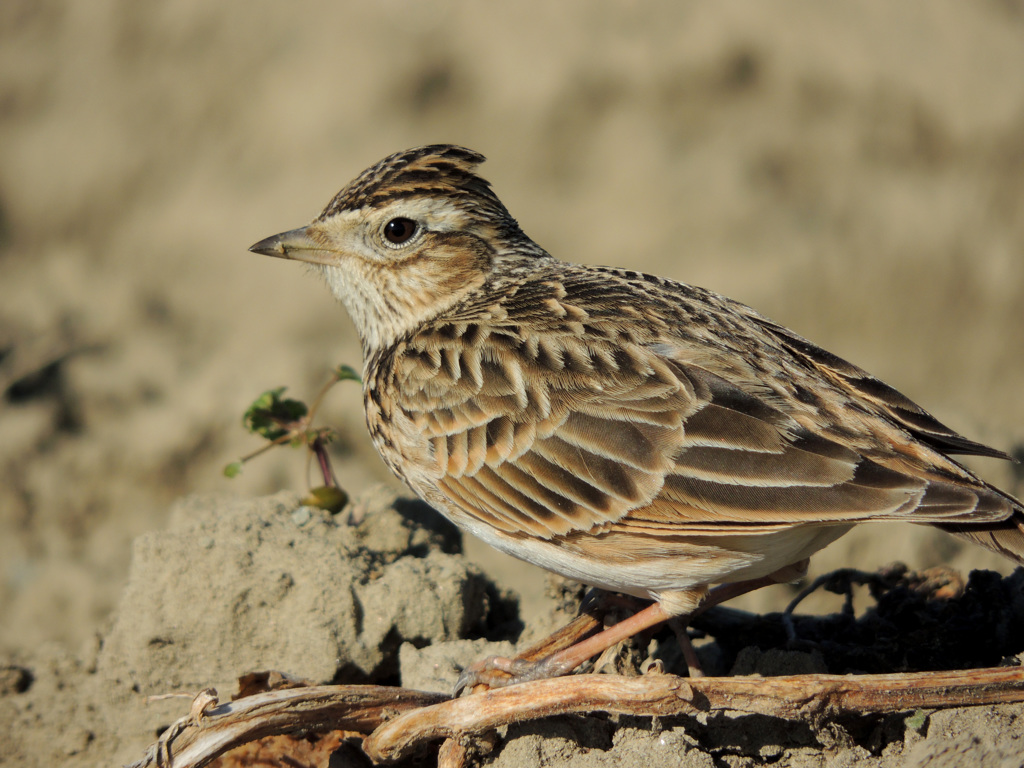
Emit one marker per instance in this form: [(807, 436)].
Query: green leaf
[(347, 373), (917, 720), (270, 414), (326, 435), (234, 469)]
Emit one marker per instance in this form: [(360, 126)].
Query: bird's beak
[(296, 244)]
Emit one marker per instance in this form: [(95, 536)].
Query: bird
[(628, 431)]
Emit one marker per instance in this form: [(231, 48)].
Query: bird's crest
[(436, 169)]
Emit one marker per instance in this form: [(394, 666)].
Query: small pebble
[(302, 515)]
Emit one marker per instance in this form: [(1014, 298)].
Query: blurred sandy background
[(853, 169)]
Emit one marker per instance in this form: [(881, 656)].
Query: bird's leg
[(493, 672), (721, 594), (561, 653), (678, 626), (526, 667)]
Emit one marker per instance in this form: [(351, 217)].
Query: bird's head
[(406, 239)]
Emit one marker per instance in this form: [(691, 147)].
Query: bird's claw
[(499, 671)]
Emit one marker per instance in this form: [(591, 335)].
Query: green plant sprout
[(281, 420)]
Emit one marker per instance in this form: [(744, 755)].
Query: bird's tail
[(1005, 537)]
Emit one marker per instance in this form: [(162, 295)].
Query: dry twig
[(402, 720), (293, 711), (797, 697)]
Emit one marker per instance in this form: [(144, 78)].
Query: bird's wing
[(562, 432), (895, 405)]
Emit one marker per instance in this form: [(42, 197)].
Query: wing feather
[(551, 437), (904, 411)]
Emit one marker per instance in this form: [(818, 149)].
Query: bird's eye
[(399, 231)]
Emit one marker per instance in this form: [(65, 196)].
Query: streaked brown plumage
[(635, 433)]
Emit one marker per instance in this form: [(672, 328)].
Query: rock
[(236, 585)]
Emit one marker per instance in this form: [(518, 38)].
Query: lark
[(631, 432)]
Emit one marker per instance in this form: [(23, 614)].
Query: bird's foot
[(499, 671)]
